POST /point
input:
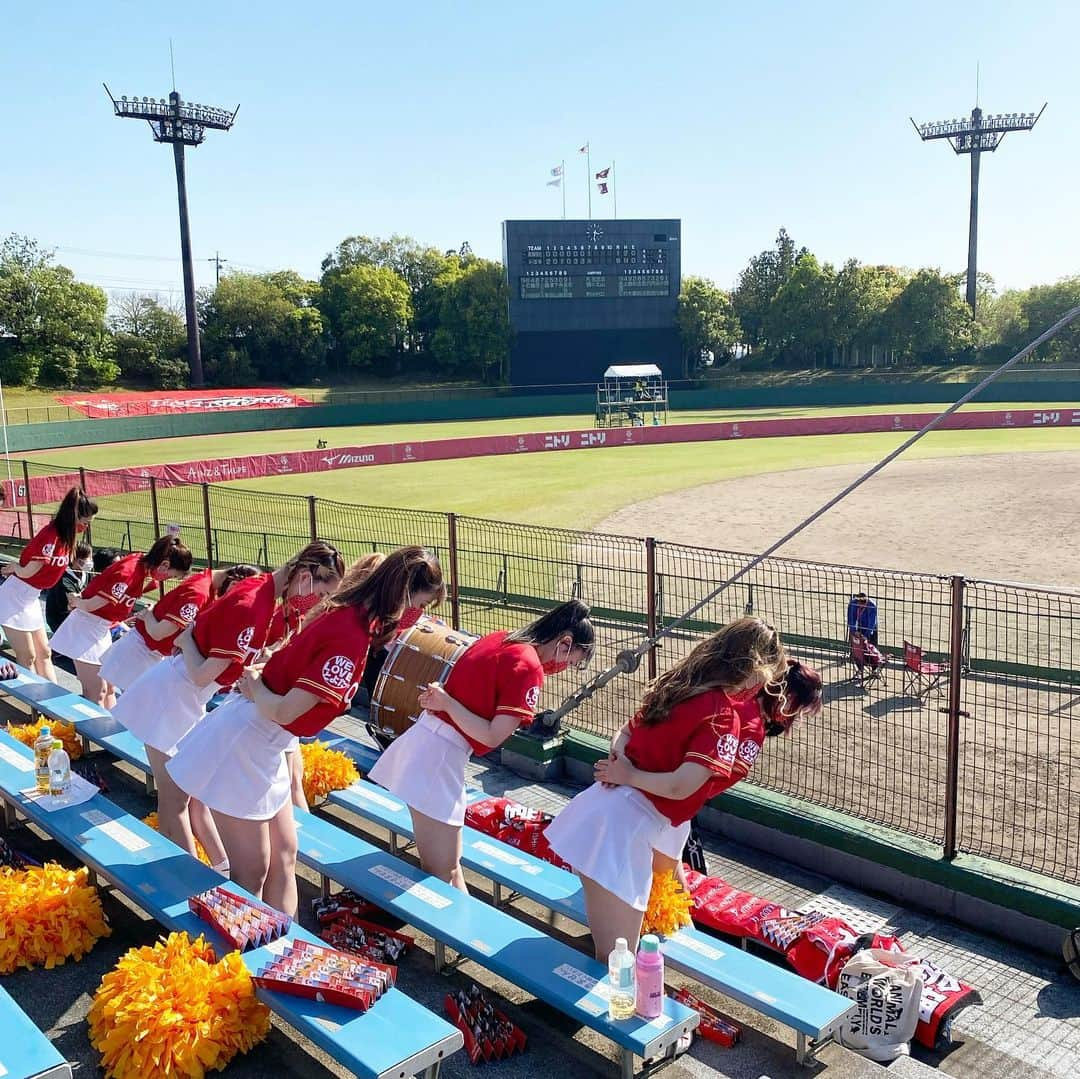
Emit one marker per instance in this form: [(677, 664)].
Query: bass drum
[(425, 652)]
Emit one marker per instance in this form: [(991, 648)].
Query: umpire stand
[(632, 395)]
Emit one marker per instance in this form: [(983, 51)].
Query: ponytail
[(797, 693), (236, 573), (168, 549), (571, 617), (74, 506)]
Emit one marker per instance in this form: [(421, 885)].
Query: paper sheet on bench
[(81, 791)]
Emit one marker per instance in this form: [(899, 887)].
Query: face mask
[(300, 605), (160, 574), (81, 526), (556, 665)]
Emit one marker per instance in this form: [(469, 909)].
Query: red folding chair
[(922, 676), (869, 663)]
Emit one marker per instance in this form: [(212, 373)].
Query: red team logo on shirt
[(189, 611), (243, 639), (748, 752), (338, 672), (726, 748), (532, 697)]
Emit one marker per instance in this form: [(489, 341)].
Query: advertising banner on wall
[(108, 406)]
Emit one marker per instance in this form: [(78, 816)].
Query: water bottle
[(650, 978), (42, 749), (620, 967), (59, 771)]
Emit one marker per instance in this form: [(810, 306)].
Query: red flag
[(603, 188), (603, 173)]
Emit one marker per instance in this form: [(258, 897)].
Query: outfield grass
[(202, 447), (578, 488)]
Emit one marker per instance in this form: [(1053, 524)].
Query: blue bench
[(25, 1053), (812, 1011), (394, 1039), (552, 971)]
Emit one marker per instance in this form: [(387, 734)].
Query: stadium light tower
[(182, 124), (974, 136)]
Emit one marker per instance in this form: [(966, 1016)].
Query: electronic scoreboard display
[(610, 287)]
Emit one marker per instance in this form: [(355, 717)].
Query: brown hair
[(321, 559), (73, 506), (168, 549), (237, 573), (570, 617), (385, 591), (796, 693), (744, 649), (356, 574)]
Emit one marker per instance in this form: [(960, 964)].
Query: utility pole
[(181, 124), (975, 136), (217, 260)]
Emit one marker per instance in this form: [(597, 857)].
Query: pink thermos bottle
[(650, 978)]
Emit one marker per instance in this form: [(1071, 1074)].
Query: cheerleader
[(235, 761), (493, 689), (110, 597), (169, 699), (155, 631), (40, 566), (698, 731)]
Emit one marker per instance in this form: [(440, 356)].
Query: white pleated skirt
[(20, 605), (163, 704), (128, 659), (425, 768), (83, 636), (236, 762), (608, 834)]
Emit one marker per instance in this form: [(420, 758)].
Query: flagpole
[(562, 177), (614, 193), (588, 175)]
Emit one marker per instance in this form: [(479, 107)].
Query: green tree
[(418, 264), (368, 310), (860, 297), (54, 326), (758, 284), (928, 320), (707, 323), (472, 335), (798, 324), (149, 341), (263, 327), (1039, 308)]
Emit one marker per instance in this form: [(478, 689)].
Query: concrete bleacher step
[(552, 971), (25, 1053), (394, 1039)]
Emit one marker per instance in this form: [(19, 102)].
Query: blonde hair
[(740, 652)]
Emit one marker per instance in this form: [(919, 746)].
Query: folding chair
[(869, 663), (922, 676)]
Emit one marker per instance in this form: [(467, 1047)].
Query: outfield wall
[(50, 488), (25, 438)]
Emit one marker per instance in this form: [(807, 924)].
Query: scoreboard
[(596, 293)]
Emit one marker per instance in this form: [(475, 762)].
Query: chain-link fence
[(967, 741)]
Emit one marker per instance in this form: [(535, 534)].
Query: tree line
[(392, 307)]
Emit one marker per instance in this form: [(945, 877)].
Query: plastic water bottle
[(650, 978), (59, 770), (42, 749), (620, 967)]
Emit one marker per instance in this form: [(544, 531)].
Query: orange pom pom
[(325, 770), (27, 733), (48, 914), (174, 1010), (669, 906)]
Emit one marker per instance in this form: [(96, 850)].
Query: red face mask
[(81, 526), (555, 665), (300, 605), (161, 573)]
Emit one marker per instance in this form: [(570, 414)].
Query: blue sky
[(439, 120)]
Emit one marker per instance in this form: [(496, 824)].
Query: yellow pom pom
[(325, 770), (669, 906), (27, 733), (48, 914), (174, 1010), (151, 821)]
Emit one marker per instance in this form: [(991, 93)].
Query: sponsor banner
[(230, 469), (107, 406)]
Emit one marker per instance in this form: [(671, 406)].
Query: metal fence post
[(312, 523), (455, 591), (207, 525), (650, 602), (29, 500), (154, 507), (952, 744)]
